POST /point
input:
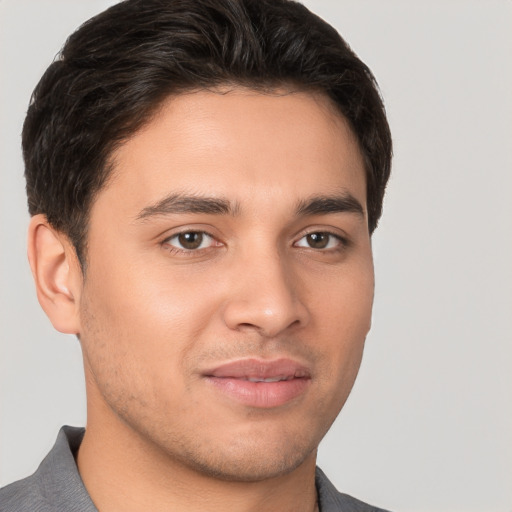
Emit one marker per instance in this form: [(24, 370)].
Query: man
[(203, 177)]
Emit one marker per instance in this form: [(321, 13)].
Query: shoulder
[(333, 501), (55, 486), (23, 496)]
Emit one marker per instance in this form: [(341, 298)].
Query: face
[(229, 283)]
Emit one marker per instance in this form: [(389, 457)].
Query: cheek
[(133, 344), (344, 317), (345, 307), (144, 319)]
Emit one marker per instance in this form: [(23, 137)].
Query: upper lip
[(260, 369)]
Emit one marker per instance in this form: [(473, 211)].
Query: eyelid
[(186, 228)]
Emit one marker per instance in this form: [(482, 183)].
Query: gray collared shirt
[(56, 486)]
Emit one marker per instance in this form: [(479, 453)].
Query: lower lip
[(260, 394)]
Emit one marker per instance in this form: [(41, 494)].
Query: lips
[(260, 383)]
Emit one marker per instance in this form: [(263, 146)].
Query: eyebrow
[(316, 205), (321, 205), (179, 203)]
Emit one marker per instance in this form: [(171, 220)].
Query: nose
[(265, 296)]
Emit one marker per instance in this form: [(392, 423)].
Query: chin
[(247, 459), (250, 468)]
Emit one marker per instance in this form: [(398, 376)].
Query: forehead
[(239, 143)]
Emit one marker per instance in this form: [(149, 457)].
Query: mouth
[(260, 383)]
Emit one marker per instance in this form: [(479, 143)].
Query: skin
[(153, 315)]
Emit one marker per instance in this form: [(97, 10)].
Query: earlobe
[(57, 274)]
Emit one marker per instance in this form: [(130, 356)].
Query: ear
[(57, 274)]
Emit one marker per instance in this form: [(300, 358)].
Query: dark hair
[(117, 68)]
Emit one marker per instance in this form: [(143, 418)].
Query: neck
[(123, 471)]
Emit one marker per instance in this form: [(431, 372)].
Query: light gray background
[(429, 424)]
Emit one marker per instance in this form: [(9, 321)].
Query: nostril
[(246, 325)]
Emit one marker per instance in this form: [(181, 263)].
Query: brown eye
[(192, 240), (320, 240)]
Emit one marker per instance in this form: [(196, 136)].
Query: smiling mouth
[(260, 383)]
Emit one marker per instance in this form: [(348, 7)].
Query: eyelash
[(343, 242)]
